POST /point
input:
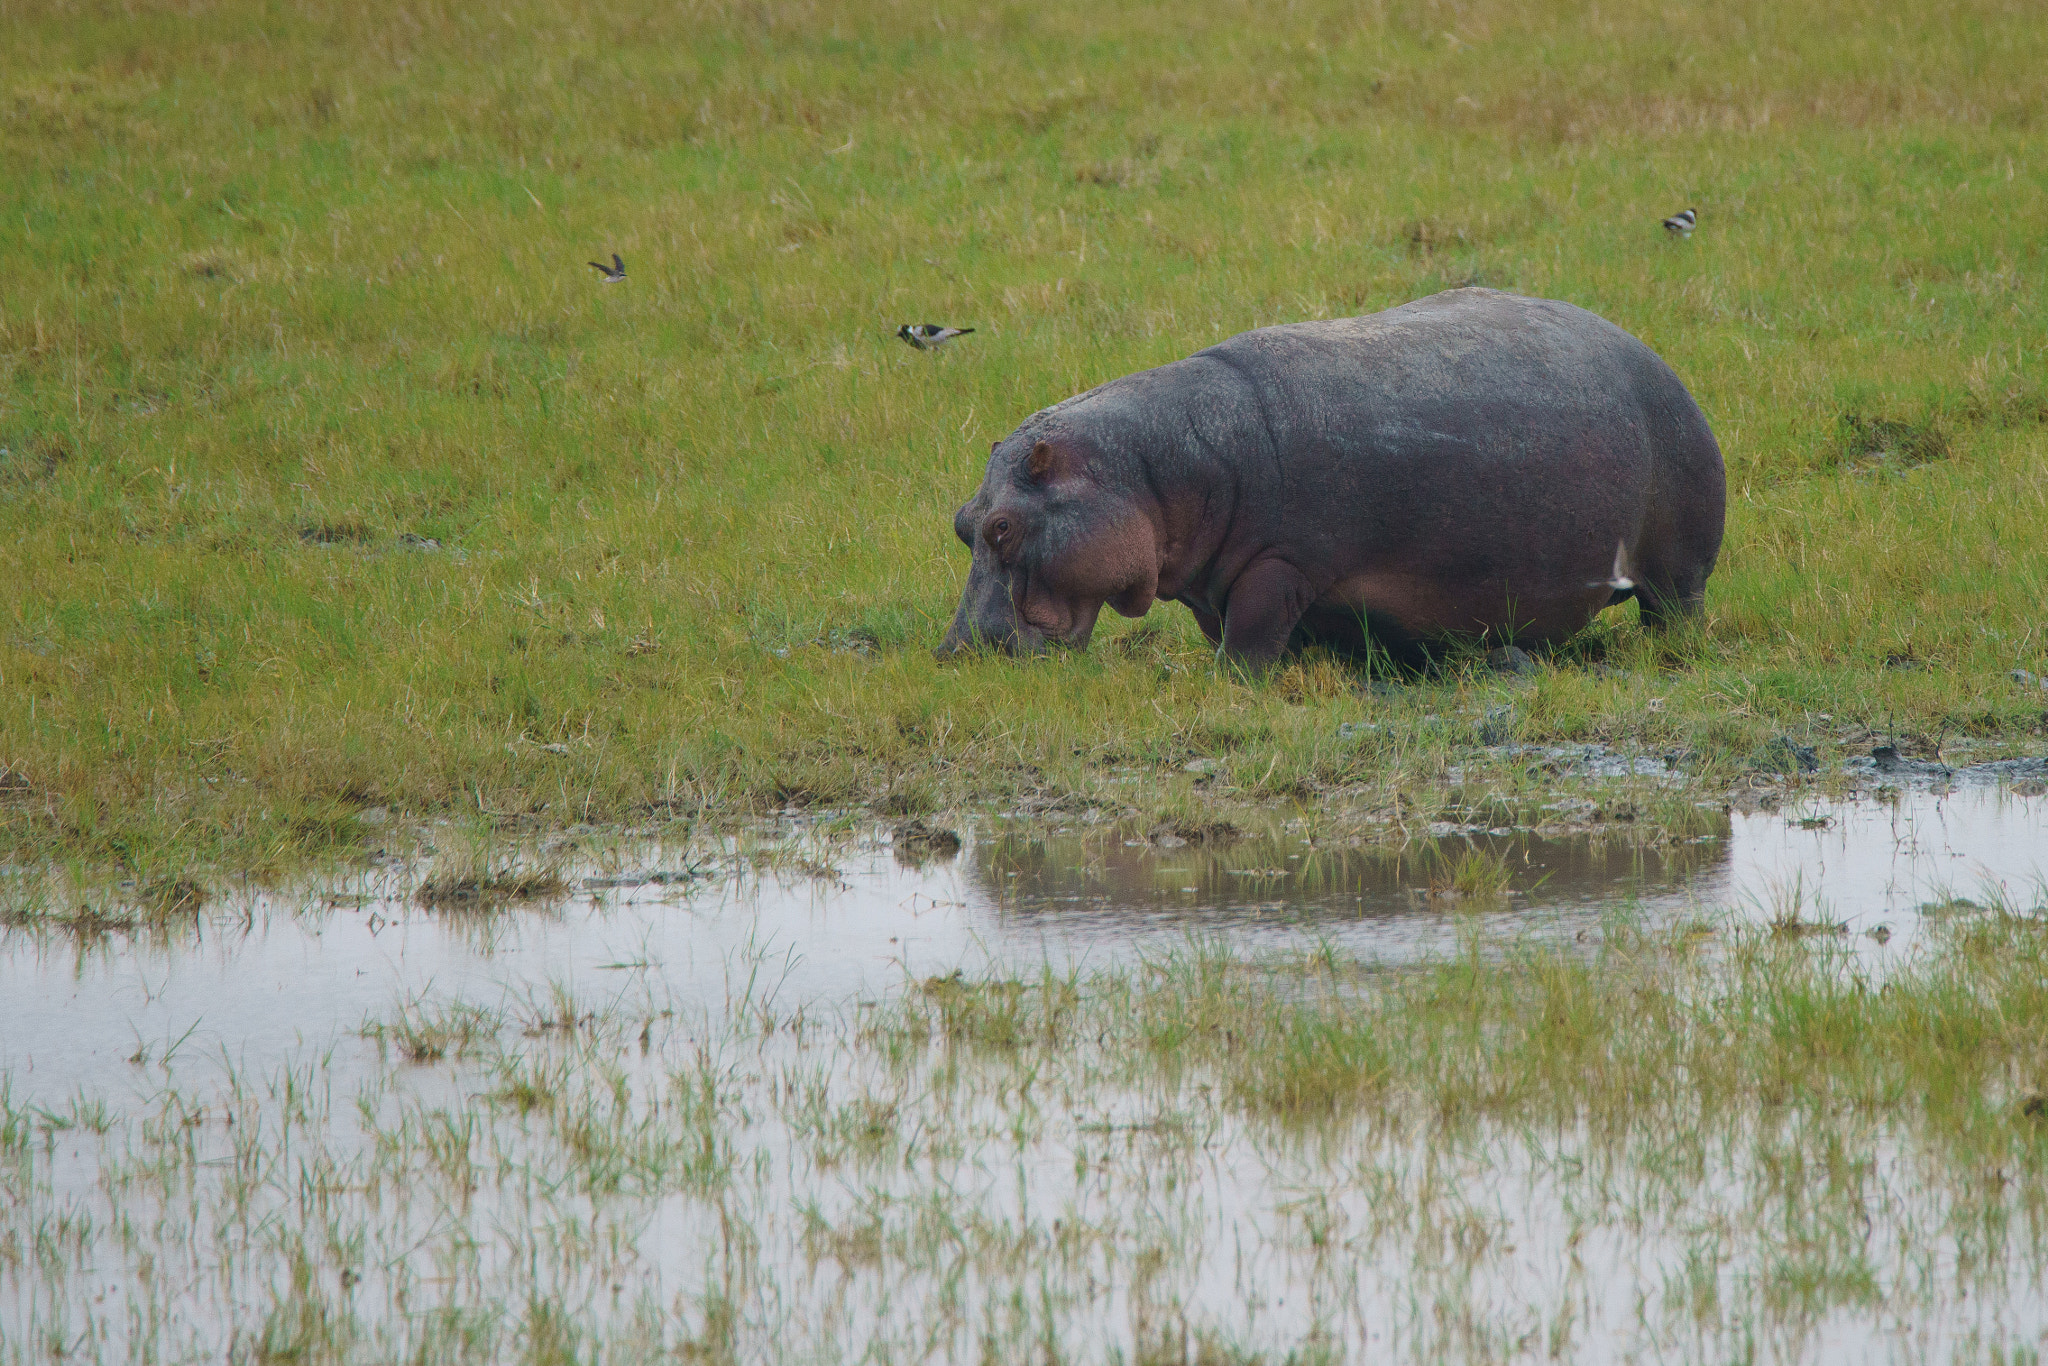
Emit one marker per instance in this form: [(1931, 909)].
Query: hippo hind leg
[(1668, 601), (1368, 638)]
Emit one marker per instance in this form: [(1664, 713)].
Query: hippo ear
[(1048, 462)]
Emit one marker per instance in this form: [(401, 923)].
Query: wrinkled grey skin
[(1464, 466)]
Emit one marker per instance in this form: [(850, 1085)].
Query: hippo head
[(1053, 540)]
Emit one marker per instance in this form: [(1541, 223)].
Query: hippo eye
[(1002, 526)]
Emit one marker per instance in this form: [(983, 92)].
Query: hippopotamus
[(1472, 466)]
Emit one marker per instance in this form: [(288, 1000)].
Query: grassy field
[(334, 479)]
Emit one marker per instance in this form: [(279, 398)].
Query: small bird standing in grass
[(614, 272), (1682, 223), (930, 336)]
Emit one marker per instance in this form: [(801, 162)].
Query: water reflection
[(1129, 886), (1855, 865), (257, 975)]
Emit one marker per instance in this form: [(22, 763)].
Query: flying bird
[(614, 272), (1621, 578), (1682, 223), (930, 336)]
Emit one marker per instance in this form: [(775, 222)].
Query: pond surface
[(263, 1002), (265, 975)]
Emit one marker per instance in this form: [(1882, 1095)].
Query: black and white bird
[(1682, 223), (1621, 578), (930, 336), (614, 272)]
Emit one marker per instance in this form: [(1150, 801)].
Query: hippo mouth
[(1038, 633), (993, 615), (1011, 639), (987, 618)]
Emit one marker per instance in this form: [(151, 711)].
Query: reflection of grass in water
[(1788, 916), (1474, 874), (1283, 861), (479, 877), (1000, 1015), (476, 889), (426, 1033), (950, 1170)]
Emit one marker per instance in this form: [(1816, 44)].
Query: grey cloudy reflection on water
[(261, 979)]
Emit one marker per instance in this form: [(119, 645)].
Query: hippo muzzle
[(987, 617)]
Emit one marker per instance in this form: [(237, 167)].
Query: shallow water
[(266, 975), (269, 986)]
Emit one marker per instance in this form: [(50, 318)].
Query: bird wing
[(1621, 576), (618, 263), (599, 265)]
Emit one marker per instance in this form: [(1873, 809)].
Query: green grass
[(333, 478)]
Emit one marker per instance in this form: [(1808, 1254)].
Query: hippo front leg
[(1266, 602)]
